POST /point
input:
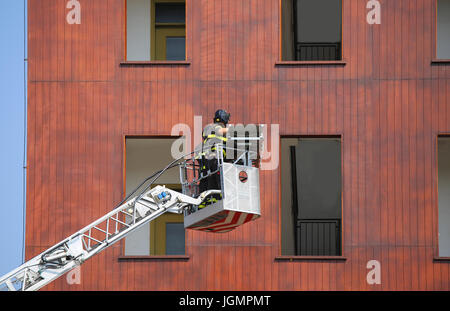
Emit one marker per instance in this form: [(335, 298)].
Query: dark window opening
[(175, 48), (170, 12), (444, 195), (175, 239), (311, 30), (311, 197)]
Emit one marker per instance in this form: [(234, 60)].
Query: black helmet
[(221, 116)]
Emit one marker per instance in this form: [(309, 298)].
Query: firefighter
[(213, 134)]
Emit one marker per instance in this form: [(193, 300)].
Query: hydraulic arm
[(239, 204), (94, 238)]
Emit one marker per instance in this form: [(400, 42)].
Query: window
[(443, 29), (165, 235), (444, 195), (311, 196), (174, 245), (156, 30), (311, 30)]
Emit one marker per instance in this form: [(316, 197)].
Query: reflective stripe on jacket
[(212, 137)]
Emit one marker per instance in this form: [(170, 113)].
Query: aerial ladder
[(239, 205)]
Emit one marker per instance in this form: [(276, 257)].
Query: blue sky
[(12, 129)]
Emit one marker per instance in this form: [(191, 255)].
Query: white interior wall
[(138, 30)]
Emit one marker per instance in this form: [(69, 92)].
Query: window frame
[(154, 26), (162, 33), (152, 61), (281, 62), (339, 258), (122, 257)]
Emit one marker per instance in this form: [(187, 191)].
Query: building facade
[(370, 78)]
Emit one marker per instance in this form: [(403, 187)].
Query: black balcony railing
[(318, 237), (317, 51)]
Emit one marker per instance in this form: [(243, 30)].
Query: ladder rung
[(127, 214), (91, 238), (120, 222), (101, 230)]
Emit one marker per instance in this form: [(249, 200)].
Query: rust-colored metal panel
[(387, 101)]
